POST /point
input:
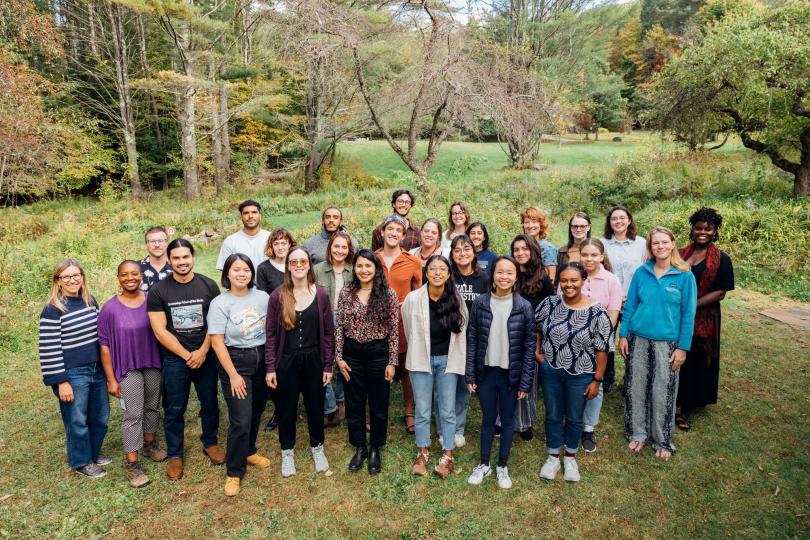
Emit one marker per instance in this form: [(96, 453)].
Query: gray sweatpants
[(140, 403), (650, 388)]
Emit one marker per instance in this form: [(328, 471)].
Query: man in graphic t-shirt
[(250, 240), (178, 309)]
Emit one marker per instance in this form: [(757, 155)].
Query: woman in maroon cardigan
[(300, 352)]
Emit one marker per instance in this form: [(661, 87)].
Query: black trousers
[(367, 384), (300, 373), (244, 415)]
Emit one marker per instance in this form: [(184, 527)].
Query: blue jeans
[(177, 380), (497, 397), (564, 397), (462, 406), (85, 418), (590, 416), (423, 384), (333, 395)]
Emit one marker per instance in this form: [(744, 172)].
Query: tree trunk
[(596, 133), (801, 182), (188, 144), (152, 101), (216, 132), (247, 33), (313, 110), (224, 127)]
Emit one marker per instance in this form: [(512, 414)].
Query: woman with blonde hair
[(535, 225), (70, 364), (656, 334)]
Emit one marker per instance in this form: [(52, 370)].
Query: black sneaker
[(497, 430), (91, 470), (527, 435), (589, 441)]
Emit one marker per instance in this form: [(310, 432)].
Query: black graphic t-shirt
[(185, 306), (471, 287)]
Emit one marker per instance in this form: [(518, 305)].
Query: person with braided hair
[(714, 275)]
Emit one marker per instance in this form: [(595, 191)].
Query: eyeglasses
[(156, 242), (465, 249), (71, 277), (457, 213), (580, 226), (298, 262), (437, 269), (403, 201)]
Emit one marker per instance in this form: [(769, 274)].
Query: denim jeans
[(564, 397), (244, 414), (445, 385), (462, 406), (333, 395), (85, 418), (177, 380)]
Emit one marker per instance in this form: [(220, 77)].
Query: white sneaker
[(287, 463), (550, 468), (504, 482), (441, 441), (480, 472), (319, 457), (459, 440), (571, 469)]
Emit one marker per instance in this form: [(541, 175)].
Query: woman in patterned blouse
[(575, 333), (366, 350)]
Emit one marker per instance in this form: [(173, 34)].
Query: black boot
[(271, 424), (357, 460), (374, 463)]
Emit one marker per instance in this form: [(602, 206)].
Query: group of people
[(432, 307)]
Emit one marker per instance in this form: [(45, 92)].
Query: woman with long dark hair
[(366, 352), (300, 353), (236, 324), (714, 275), (479, 236), (457, 222), (533, 284), (434, 317), (70, 364), (131, 361)]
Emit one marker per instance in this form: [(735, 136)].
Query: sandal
[(682, 422), (410, 424)]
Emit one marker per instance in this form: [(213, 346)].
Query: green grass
[(741, 470)]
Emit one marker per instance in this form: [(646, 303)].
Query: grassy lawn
[(740, 472)]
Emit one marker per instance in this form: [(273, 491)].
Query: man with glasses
[(250, 240), (402, 202), (155, 266)]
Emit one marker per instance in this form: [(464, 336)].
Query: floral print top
[(353, 322)]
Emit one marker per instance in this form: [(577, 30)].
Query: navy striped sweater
[(67, 340)]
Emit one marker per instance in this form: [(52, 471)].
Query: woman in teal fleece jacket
[(656, 333)]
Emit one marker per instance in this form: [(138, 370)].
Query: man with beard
[(250, 240), (178, 310), (332, 222)]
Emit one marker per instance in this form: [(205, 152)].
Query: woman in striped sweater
[(69, 359)]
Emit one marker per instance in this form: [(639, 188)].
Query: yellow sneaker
[(232, 485), (258, 460)]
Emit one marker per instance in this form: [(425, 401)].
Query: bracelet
[(597, 379)]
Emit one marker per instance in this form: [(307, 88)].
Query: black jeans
[(244, 415), (177, 380), (497, 397), (367, 384), (300, 373)]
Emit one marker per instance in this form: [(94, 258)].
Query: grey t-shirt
[(240, 318), (498, 345)]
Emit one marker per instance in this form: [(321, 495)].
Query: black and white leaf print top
[(572, 336)]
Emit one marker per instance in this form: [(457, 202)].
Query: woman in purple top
[(131, 361)]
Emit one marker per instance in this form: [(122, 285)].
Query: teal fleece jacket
[(661, 309)]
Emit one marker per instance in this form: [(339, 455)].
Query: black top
[(439, 338), (185, 306), (471, 287), (724, 280), (304, 335), (546, 290), (268, 277)]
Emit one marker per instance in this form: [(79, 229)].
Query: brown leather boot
[(341, 412), (445, 466), (331, 420), (152, 451), (174, 470), (215, 453)]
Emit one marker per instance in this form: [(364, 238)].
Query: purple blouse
[(127, 333)]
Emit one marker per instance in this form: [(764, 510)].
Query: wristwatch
[(597, 379)]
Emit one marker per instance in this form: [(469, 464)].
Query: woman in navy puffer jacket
[(500, 361)]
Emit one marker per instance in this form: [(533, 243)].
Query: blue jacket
[(522, 339), (661, 309)]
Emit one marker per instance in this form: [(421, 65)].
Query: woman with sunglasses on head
[(366, 352), (333, 274), (479, 236), (300, 353), (534, 285), (655, 336), (500, 362), (132, 365), (604, 288), (714, 274), (435, 319), (236, 324), (579, 228), (574, 335), (70, 364)]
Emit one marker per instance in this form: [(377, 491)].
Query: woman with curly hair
[(535, 225)]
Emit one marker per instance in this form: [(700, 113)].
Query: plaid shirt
[(411, 239)]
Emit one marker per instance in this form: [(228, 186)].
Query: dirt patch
[(798, 316)]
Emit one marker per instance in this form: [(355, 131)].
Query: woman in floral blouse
[(366, 349)]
